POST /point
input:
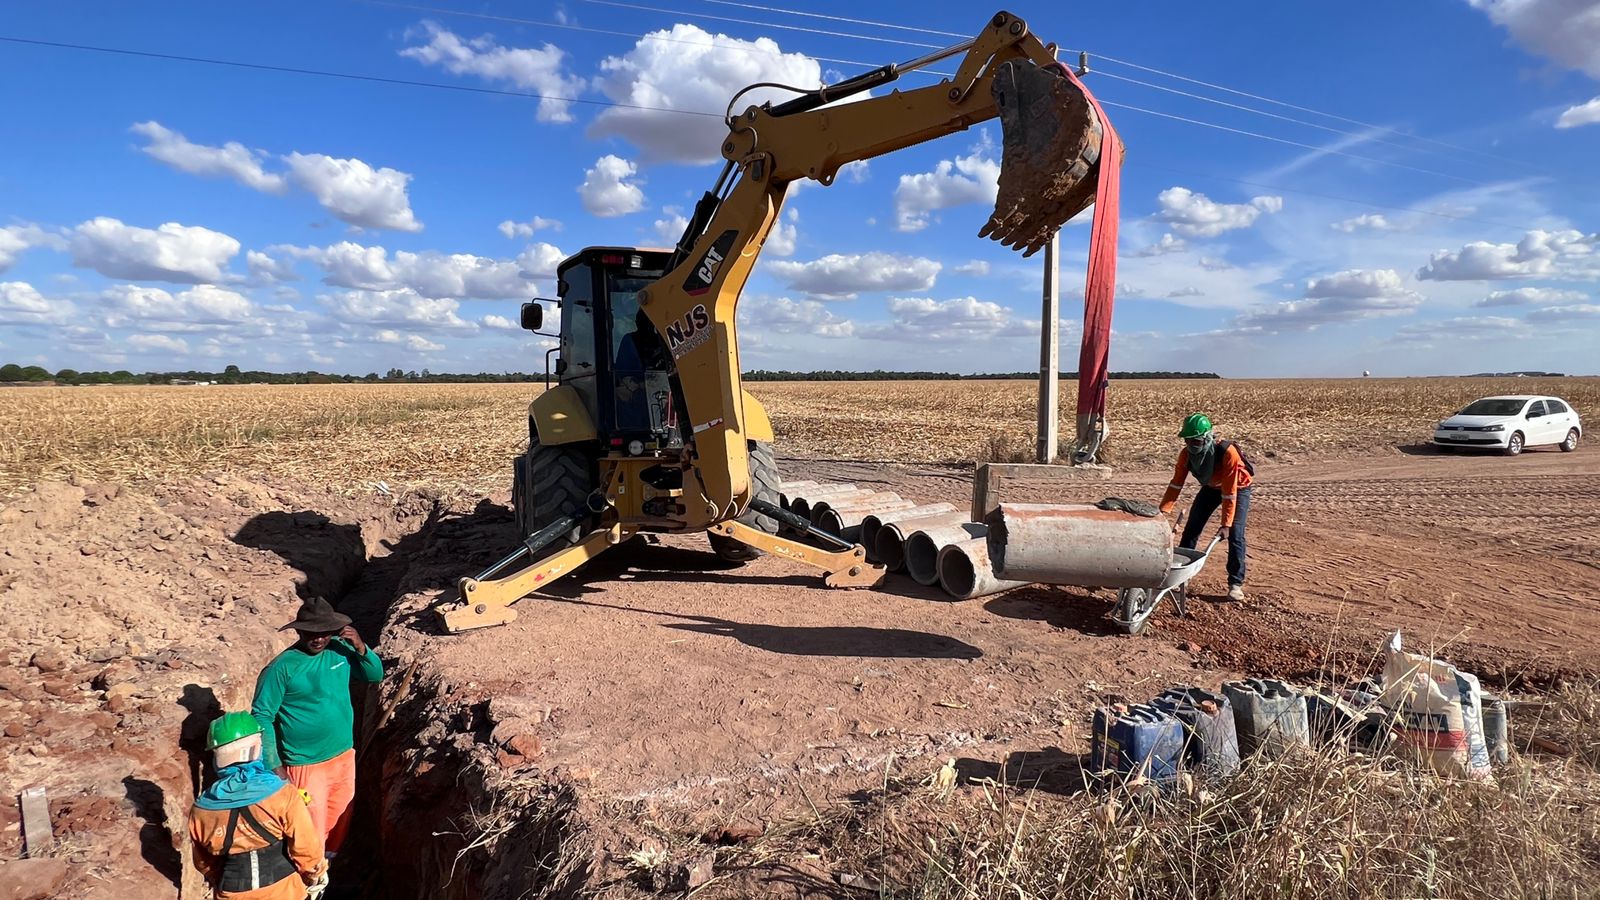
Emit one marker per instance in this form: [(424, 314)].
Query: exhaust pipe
[(964, 571), (849, 519), (922, 549), (1078, 545), (871, 524), (890, 544)]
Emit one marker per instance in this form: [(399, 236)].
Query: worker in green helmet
[(1225, 476), (252, 831)]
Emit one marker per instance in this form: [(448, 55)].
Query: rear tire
[(764, 480), (551, 482), (1514, 445), (1571, 443)]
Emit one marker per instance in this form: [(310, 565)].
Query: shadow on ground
[(1050, 769)]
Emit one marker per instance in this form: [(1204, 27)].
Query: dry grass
[(1317, 825), (462, 436)]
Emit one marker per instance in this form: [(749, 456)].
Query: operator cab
[(609, 351)]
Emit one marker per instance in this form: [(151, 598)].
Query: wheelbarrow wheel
[(1134, 606)]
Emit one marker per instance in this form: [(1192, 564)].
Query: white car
[(1511, 423)]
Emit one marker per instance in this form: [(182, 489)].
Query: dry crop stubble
[(463, 436)]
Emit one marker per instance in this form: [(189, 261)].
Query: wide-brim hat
[(318, 615)]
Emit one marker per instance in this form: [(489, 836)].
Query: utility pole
[(1050, 356)]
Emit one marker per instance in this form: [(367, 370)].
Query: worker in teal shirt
[(307, 717)]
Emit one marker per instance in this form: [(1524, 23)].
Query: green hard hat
[(1194, 426), (230, 727)]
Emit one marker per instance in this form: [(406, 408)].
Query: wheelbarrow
[(1135, 605)]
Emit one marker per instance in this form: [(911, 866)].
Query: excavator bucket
[(1051, 137)]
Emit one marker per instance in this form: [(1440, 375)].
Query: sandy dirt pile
[(131, 619)]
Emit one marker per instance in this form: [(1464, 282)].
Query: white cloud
[(429, 273), (1167, 244), (22, 304), (539, 260), (670, 227), (976, 267), (500, 323), (355, 192), (606, 191), (1347, 296), (158, 343), (187, 254), (1196, 215), (855, 172), (14, 239), (960, 319), (841, 277), (690, 70), (1365, 222), (785, 316), (264, 269), (1468, 328), (202, 305), (1185, 292), (973, 178), (1530, 297), (539, 70), (1580, 114), (1566, 31), (1215, 264), (526, 229), (231, 160), (1560, 255), (1584, 311), (403, 308), (784, 235), (414, 342)]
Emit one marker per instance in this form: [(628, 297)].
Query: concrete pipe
[(871, 524), (802, 506), (788, 490), (1079, 545), (922, 548), (964, 571), (890, 544), (847, 502), (837, 521)]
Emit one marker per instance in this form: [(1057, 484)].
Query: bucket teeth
[(1050, 148)]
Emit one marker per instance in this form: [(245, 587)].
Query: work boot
[(1235, 592)]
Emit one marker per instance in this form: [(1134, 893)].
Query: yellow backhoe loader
[(647, 428)]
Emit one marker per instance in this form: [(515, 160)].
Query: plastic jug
[(1135, 740), (1211, 740), (1269, 715)]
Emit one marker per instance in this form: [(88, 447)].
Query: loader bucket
[(1050, 154)]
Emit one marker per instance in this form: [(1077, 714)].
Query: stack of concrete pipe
[(1017, 544)]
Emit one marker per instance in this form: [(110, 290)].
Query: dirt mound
[(132, 619)]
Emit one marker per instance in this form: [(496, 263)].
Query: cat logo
[(689, 332), (705, 272)]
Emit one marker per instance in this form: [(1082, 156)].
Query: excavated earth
[(661, 706)]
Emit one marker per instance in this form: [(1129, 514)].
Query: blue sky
[(1415, 196)]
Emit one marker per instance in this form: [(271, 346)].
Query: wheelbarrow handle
[(1213, 545)]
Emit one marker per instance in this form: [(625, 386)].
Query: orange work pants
[(332, 786)]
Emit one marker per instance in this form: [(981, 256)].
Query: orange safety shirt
[(284, 812), (1228, 476)]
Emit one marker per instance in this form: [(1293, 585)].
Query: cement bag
[(1439, 711)]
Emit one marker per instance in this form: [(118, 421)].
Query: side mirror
[(532, 315)]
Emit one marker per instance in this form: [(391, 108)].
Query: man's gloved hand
[(314, 889), (1224, 532)]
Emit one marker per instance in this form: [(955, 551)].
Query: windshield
[(1493, 407)]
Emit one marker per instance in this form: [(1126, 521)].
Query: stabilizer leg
[(485, 603), (844, 568)]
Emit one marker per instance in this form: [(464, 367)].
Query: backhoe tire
[(551, 482), (764, 481)]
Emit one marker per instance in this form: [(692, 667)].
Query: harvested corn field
[(462, 436)]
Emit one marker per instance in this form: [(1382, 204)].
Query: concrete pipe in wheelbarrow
[(890, 543), (1079, 545), (922, 549), (965, 573), (870, 524)]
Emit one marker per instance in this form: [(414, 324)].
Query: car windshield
[(1493, 407)]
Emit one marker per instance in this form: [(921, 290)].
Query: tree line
[(11, 372)]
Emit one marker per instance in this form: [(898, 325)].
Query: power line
[(1278, 140), (350, 76), (812, 15), (806, 29)]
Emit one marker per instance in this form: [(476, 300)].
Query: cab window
[(577, 322), (1536, 409)]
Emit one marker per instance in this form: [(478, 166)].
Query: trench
[(434, 817)]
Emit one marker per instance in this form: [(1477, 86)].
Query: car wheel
[(1571, 443), (1514, 445)]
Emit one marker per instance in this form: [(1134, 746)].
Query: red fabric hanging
[(1100, 284)]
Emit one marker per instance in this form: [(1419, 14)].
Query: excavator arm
[(1051, 143)]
